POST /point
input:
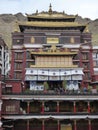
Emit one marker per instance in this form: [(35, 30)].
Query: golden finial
[(86, 29), (50, 9), (53, 48), (85, 41), (76, 15), (36, 12), (16, 26), (63, 12)]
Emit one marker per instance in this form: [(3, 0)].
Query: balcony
[(49, 107), (51, 122), (48, 116), (50, 95)]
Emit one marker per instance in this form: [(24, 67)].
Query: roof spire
[(16, 26), (36, 12), (50, 9)]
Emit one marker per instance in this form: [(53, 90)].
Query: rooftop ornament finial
[(50, 9), (16, 26), (36, 12), (63, 12), (86, 29)]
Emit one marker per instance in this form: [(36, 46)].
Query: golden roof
[(51, 24), (52, 16), (86, 29)]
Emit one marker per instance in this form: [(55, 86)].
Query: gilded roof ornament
[(53, 48), (36, 12), (63, 12), (16, 26), (50, 9), (86, 29)]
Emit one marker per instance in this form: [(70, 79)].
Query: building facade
[(4, 58), (51, 76), (4, 69)]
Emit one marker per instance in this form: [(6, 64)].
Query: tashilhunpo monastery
[(52, 83)]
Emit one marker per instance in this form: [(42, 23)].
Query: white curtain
[(34, 86), (31, 72), (30, 77), (64, 72), (75, 72), (54, 73), (42, 72)]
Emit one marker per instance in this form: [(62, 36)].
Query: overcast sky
[(84, 8)]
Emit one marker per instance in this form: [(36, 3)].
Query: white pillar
[(0, 104), (1, 125)]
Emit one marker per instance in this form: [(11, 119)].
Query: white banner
[(42, 72), (54, 73), (42, 77), (36, 87), (77, 77), (54, 78), (31, 77), (31, 72), (77, 72), (68, 77), (62, 73), (72, 85)]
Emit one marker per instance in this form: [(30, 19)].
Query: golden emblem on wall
[(32, 39), (72, 40), (52, 40), (18, 41)]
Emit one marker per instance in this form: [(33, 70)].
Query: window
[(94, 55), (8, 89), (85, 56), (28, 55), (18, 66), (18, 75), (95, 58), (96, 63), (87, 76), (86, 65), (10, 108), (18, 56)]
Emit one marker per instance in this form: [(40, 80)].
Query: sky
[(84, 8)]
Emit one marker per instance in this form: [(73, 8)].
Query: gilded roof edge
[(52, 16)]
